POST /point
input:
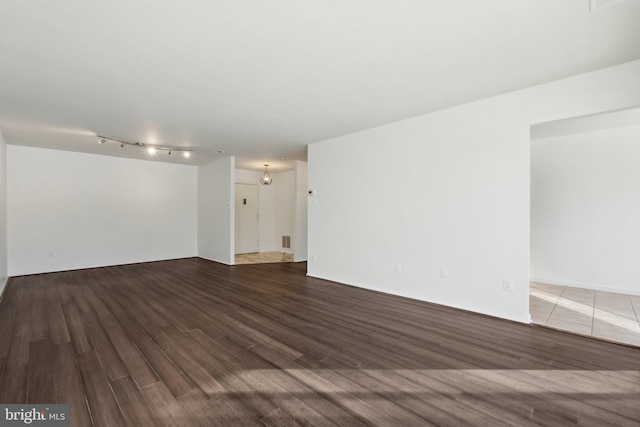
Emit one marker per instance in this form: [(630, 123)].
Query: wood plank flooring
[(194, 343)]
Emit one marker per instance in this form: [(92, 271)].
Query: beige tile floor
[(604, 315), (263, 258)]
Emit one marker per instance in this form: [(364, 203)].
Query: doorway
[(246, 216), (281, 218), (583, 268)]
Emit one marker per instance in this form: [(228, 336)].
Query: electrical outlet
[(444, 272), (507, 285)]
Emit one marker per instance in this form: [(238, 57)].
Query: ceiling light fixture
[(266, 178), (151, 148)]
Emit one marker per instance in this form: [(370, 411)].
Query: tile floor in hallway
[(263, 258), (605, 315)]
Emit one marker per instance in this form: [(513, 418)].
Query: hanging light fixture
[(266, 178)]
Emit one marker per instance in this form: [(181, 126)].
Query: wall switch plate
[(372, 262), (444, 272), (507, 285), (398, 268), (314, 257)]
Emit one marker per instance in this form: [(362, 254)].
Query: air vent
[(286, 242), (601, 4)]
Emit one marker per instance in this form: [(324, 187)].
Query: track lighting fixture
[(151, 148), (266, 178)]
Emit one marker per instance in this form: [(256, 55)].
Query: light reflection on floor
[(605, 315), (263, 258)]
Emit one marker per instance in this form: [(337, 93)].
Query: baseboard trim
[(525, 320), (36, 273), (3, 286), (214, 260), (584, 285)]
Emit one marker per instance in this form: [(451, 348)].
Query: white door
[(246, 218)]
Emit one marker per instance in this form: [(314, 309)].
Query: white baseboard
[(584, 285), (215, 260), (525, 320), (3, 286)]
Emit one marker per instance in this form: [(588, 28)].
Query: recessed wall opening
[(270, 226), (585, 219)]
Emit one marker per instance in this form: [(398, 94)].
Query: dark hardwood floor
[(195, 343)]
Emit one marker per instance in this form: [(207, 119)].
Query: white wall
[(300, 215), (267, 226), (3, 213), (285, 190), (585, 210), (72, 210), (216, 210), (447, 189)]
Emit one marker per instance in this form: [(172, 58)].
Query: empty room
[(282, 213)]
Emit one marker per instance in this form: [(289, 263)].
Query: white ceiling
[(262, 79)]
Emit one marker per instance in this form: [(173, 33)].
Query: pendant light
[(266, 178)]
